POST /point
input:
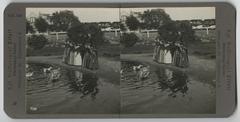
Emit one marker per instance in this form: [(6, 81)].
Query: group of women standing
[(84, 55), (171, 53)]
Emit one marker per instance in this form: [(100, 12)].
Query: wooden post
[(207, 30), (56, 39), (148, 35), (116, 33)]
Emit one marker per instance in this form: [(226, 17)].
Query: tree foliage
[(37, 41), (86, 33), (128, 39), (63, 20), (122, 27), (154, 18), (177, 31), (132, 22), (41, 24), (168, 32), (29, 27), (187, 33)]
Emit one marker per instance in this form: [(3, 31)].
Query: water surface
[(164, 91), (68, 91)]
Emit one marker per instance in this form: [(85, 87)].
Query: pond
[(144, 89), (147, 89), (54, 89)]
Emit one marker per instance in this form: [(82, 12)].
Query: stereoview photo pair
[(119, 60)]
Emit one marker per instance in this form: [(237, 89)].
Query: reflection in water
[(167, 80), (85, 83), (165, 90), (175, 81), (54, 89), (77, 81)]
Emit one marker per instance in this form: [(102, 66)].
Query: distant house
[(209, 22), (104, 24), (32, 18), (196, 22)]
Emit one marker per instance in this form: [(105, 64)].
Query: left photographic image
[(72, 61)]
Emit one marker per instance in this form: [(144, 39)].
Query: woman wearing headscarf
[(159, 51), (180, 57)]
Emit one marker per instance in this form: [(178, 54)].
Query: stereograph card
[(98, 60)]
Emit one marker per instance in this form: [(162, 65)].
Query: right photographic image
[(168, 60)]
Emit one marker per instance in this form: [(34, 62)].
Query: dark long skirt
[(156, 53), (66, 54), (90, 60), (180, 58)]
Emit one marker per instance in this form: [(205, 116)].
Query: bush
[(37, 41), (128, 39)]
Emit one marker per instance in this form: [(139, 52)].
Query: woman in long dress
[(167, 54), (158, 54), (161, 52), (176, 55), (184, 62), (90, 60), (66, 52), (156, 50), (77, 61), (86, 58), (70, 59), (180, 58)]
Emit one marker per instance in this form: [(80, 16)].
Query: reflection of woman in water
[(175, 81), (85, 83), (89, 84)]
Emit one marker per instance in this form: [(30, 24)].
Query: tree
[(96, 34), (41, 24), (132, 22), (168, 32), (122, 27), (128, 39), (63, 20), (177, 31), (86, 33), (37, 41), (29, 27), (187, 33), (154, 18), (115, 25)]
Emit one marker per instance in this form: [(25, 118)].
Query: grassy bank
[(202, 50), (106, 50)]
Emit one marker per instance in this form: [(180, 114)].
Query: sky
[(112, 14)]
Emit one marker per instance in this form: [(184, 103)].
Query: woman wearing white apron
[(167, 55), (77, 57)]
